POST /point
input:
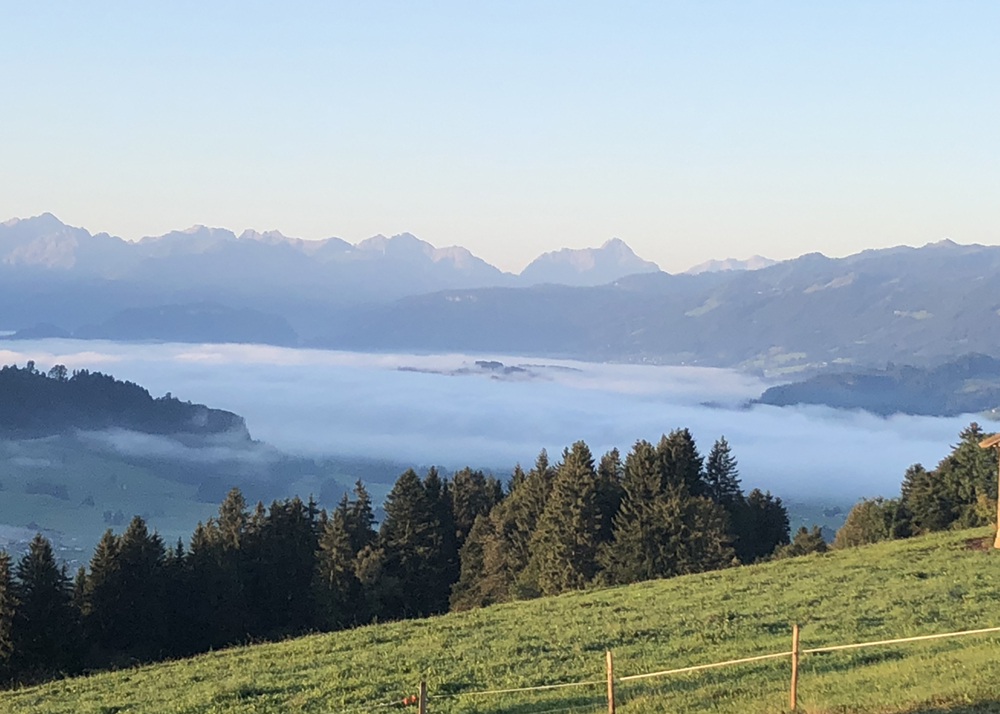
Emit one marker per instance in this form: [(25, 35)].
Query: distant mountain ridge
[(587, 266), (917, 306), (44, 241), (54, 273), (754, 262)]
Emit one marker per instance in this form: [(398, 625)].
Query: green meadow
[(938, 583)]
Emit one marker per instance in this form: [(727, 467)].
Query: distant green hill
[(926, 585)]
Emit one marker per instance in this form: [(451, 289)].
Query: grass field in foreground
[(920, 586)]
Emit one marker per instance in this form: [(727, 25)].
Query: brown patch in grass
[(984, 543)]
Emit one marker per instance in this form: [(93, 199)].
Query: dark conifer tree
[(564, 545), (360, 519), (722, 478), (929, 502), (498, 543), (472, 494), (139, 624), (960, 492), (177, 602), (338, 590), (524, 510), (443, 565), (468, 593), (218, 615), (760, 524), (610, 472), (45, 640), (411, 539), (680, 462), (103, 597), (282, 570), (661, 529), (806, 541), (8, 606), (631, 556)]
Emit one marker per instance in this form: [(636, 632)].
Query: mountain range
[(917, 306), (67, 276), (914, 306)]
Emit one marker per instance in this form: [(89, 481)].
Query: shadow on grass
[(982, 707), (541, 706)]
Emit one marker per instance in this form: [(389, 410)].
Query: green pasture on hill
[(927, 585)]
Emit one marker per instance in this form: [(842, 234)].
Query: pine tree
[(44, 636), (564, 545), (442, 564), (722, 478), (8, 608), (631, 555), (806, 541), (411, 538), (467, 593), (281, 570), (609, 491), (929, 501), (524, 509), (139, 623), (102, 594), (231, 523), (759, 524), (498, 547), (218, 615), (680, 462), (360, 518), (473, 494), (661, 529), (337, 587)]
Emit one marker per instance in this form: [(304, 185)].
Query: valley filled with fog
[(493, 411)]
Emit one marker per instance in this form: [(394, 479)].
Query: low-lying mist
[(450, 411)]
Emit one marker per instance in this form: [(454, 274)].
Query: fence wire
[(662, 673)]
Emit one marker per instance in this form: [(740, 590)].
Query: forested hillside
[(932, 584), (967, 385), (445, 543), (34, 403)]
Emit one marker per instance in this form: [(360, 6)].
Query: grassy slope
[(925, 585)]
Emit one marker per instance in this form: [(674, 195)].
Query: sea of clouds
[(446, 410)]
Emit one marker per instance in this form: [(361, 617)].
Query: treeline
[(444, 543), (961, 492), (35, 403)]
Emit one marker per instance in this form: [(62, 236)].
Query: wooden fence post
[(422, 699), (793, 697), (611, 684)]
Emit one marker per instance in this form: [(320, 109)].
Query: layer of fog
[(395, 407), (211, 449)]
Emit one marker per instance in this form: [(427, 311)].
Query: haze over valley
[(321, 419)]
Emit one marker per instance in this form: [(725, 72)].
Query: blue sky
[(690, 130)]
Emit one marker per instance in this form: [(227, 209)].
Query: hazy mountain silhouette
[(905, 305), (199, 322), (58, 274), (588, 266), (918, 306), (755, 262)]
